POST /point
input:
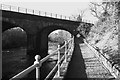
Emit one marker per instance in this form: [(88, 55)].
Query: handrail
[(24, 72), (37, 64), (28, 70), (54, 52), (64, 56), (54, 67)]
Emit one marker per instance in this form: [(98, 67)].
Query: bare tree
[(79, 16), (94, 9), (99, 9)]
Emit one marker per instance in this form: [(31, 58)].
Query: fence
[(38, 13), (107, 64), (69, 45)]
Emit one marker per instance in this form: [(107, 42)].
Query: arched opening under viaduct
[(55, 38), (48, 42), (14, 44), (43, 39)]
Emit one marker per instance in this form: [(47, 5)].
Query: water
[(16, 60)]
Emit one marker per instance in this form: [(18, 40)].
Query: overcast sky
[(62, 7)]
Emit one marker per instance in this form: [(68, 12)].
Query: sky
[(62, 7)]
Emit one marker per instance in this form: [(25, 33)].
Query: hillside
[(104, 36)]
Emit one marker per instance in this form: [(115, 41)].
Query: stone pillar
[(42, 47), (31, 44), (42, 44)]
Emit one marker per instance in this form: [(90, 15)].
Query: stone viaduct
[(37, 29)]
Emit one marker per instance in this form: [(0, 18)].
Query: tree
[(100, 9), (79, 16)]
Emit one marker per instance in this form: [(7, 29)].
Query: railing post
[(39, 13), (10, 8), (69, 18), (65, 17), (61, 16), (58, 61), (26, 10), (33, 11), (18, 9), (45, 13), (1, 6), (51, 14), (37, 59), (56, 15), (65, 51)]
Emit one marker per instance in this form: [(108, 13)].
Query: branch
[(81, 13), (94, 10), (95, 15)]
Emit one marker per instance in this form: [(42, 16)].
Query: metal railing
[(68, 46), (34, 12), (38, 13)]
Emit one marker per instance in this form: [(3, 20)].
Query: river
[(16, 60)]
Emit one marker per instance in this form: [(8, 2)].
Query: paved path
[(94, 68), (84, 65)]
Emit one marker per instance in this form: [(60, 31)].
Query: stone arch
[(8, 28), (12, 24), (7, 25), (42, 39)]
